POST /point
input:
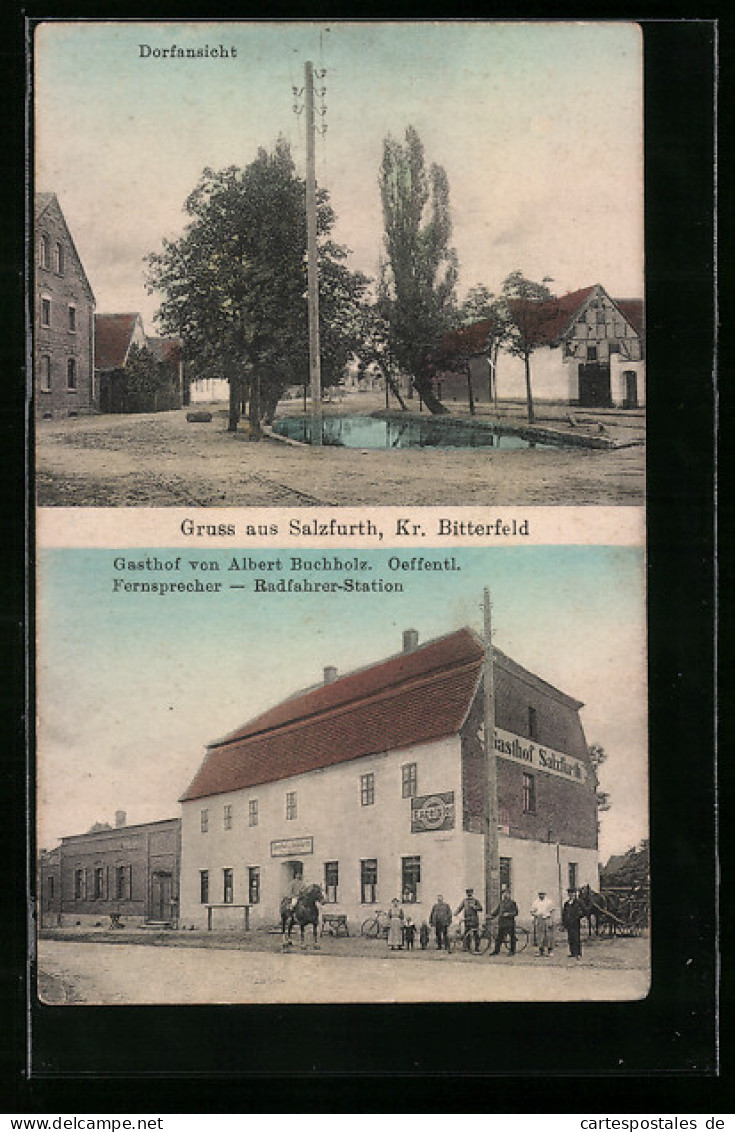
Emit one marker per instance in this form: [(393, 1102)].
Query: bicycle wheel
[(522, 938), (476, 940), (369, 927)]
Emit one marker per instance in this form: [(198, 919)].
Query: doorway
[(161, 896), (631, 389), (594, 385), (292, 877)]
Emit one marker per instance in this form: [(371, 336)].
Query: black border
[(472, 1057)]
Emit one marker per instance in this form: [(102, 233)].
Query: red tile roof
[(112, 334), (165, 349), (633, 311), (415, 697)]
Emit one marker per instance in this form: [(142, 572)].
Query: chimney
[(410, 640), (330, 674), (120, 819)]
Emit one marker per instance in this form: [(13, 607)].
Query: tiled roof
[(415, 697), (633, 310), (112, 334), (165, 349)]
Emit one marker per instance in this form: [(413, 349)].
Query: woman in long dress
[(395, 925)]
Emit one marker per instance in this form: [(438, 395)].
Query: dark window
[(72, 318), (573, 874), (532, 723), (44, 254), (254, 885), (45, 312), (228, 816), (227, 886), (45, 374), (369, 881), (505, 881), (120, 873), (253, 812), (409, 780), (204, 886), (71, 374), (331, 882), (204, 821), (59, 257), (592, 353), (50, 888), (367, 789), (291, 806), (410, 879), (99, 884), (529, 794), (79, 884)]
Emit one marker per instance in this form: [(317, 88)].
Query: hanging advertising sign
[(510, 746), (432, 812)]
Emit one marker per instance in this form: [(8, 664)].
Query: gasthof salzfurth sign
[(432, 812), (289, 845), (510, 746)]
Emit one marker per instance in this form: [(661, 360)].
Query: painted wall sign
[(510, 746), (432, 812), (287, 846)]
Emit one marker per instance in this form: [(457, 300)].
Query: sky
[(131, 687), (538, 125)]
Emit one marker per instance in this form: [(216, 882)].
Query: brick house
[(374, 785), (117, 337), (63, 338)]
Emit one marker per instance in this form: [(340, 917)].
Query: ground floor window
[(99, 884), (573, 874), (505, 873), (410, 879), (204, 886), (121, 876), (71, 375), (331, 882), (369, 881), (254, 885), (79, 884), (227, 886)]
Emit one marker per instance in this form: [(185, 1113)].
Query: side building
[(130, 872), (374, 786), (63, 330)]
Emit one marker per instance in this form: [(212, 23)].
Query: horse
[(593, 908), (304, 911)]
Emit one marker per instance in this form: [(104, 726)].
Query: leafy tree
[(598, 755), (417, 284), (234, 284), (529, 308)]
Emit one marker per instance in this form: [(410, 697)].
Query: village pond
[(354, 431)]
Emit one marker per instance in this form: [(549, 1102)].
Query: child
[(424, 935), (409, 933)]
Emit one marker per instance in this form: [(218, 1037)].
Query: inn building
[(374, 784)]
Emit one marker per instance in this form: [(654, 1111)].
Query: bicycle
[(478, 940), (376, 926)]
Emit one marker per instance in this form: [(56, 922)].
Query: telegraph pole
[(315, 373), (492, 858)]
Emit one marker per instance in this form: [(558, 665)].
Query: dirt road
[(160, 459)]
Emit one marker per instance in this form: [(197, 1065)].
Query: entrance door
[(594, 385), (631, 389), (161, 893), (293, 877)]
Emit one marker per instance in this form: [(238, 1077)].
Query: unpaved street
[(104, 973), (160, 459)]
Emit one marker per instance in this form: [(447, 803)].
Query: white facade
[(332, 824)]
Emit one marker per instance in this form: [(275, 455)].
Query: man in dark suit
[(571, 917)]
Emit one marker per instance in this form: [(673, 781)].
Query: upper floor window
[(409, 780), (227, 816), (532, 723), (46, 374), (253, 811), (529, 794), (59, 259), (204, 821), (228, 887), (44, 251), (71, 375), (367, 789), (291, 806), (331, 881), (72, 318), (45, 312)]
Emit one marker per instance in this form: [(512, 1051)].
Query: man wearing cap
[(571, 917), (506, 911), (471, 907), (542, 911), (440, 919)]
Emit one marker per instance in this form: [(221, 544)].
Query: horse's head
[(313, 894)]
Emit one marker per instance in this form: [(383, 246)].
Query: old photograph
[(342, 776), (298, 264)]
